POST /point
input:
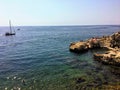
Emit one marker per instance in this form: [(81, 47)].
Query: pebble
[(14, 77), (8, 77), (19, 78), (6, 88), (19, 88)]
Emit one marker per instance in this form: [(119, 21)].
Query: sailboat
[(11, 32)]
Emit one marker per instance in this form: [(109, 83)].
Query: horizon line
[(65, 25)]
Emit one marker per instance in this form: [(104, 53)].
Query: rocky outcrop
[(79, 46), (111, 57), (85, 45), (112, 43), (115, 41)]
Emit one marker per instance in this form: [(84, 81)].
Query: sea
[(38, 58)]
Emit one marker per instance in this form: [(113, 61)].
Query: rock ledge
[(111, 43)]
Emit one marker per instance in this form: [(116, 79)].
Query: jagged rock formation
[(115, 42), (111, 57), (112, 43), (79, 46), (84, 45)]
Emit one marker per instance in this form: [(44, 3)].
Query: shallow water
[(38, 58)]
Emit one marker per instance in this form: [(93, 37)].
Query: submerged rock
[(111, 43), (23, 82), (80, 80)]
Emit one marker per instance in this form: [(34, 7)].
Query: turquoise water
[(38, 58)]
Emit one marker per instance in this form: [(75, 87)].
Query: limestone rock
[(115, 42), (78, 46), (112, 43), (110, 57)]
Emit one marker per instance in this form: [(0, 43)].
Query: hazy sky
[(59, 12)]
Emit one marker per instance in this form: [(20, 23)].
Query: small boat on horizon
[(11, 32)]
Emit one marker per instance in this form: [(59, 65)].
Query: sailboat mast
[(10, 26)]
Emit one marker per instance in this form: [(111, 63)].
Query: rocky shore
[(110, 43)]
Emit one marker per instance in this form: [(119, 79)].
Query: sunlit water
[(38, 58)]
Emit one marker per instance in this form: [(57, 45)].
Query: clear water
[(38, 58)]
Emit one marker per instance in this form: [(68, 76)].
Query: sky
[(59, 12)]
